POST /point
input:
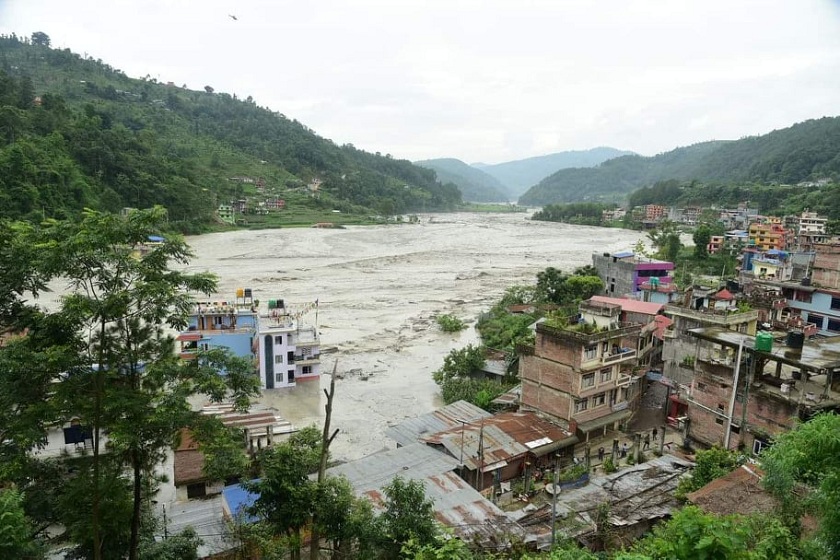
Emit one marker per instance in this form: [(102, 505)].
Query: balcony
[(304, 360), (623, 355)]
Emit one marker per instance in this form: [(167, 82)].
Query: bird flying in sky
[(233, 17)]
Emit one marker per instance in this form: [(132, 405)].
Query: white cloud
[(482, 80)]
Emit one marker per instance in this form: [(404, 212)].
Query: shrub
[(609, 465), (450, 323)]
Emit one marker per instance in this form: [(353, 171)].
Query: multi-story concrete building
[(623, 273), (699, 308), (287, 352), (583, 375), (746, 391), (283, 350), (221, 324), (767, 236)]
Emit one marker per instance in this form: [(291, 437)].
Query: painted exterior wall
[(823, 310), (626, 275)]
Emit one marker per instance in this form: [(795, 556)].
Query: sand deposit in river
[(379, 289)]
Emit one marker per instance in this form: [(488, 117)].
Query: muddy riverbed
[(379, 289)]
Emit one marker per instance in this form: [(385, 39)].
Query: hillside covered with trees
[(475, 185), (75, 132), (805, 151)]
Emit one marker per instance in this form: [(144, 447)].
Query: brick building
[(583, 375), (743, 395)]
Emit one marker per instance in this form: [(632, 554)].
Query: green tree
[(702, 236), (40, 38), (286, 494), (803, 473), (693, 535), (710, 464), (408, 516), (460, 363), (126, 379), (16, 531)]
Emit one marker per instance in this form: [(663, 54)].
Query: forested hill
[(75, 132), (519, 175), (807, 150), (474, 184)]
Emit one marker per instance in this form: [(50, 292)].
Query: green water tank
[(764, 341)]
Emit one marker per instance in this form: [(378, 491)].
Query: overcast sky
[(482, 80)]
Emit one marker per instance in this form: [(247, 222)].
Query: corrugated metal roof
[(456, 504), (413, 429), (501, 437), (207, 517), (635, 494)]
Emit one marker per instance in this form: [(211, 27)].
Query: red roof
[(631, 305), (724, 295)]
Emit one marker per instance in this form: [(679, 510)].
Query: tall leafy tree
[(803, 472), (702, 236), (286, 494), (16, 531), (408, 516), (126, 379)]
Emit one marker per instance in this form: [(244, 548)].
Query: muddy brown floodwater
[(379, 289)]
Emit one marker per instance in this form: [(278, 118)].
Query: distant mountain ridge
[(475, 185), (520, 175), (807, 150)]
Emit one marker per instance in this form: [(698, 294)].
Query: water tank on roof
[(806, 281), (240, 292), (272, 304), (654, 282), (795, 339), (764, 342)]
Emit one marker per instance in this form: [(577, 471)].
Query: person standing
[(601, 454), (655, 431), (624, 450), (647, 442)]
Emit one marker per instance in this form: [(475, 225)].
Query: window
[(701, 386), (278, 339), (278, 359), (719, 421), (759, 445), (197, 490), (816, 319), (291, 373), (588, 380), (606, 375), (833, 325), (278, 377), (306, 370), (835, 303), (591, 352), (599, 399), (581, 405)]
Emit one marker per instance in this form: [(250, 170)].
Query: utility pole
[(481, 457), (554, 500), (731, 411), (326, 440)]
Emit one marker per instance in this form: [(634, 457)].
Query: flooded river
[(379, 289)]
